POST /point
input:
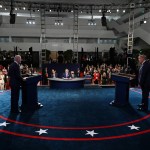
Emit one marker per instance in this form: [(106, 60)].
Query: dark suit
[(15, 82), (144, 81), (66, 75)]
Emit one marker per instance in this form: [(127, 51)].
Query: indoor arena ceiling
[(82, 3), (109, 7)]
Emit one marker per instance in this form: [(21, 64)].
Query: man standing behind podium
[(144, 82), (15, 83)]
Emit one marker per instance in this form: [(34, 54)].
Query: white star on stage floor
[(133, 127), (4, 124), (92, 133), (41, 131)]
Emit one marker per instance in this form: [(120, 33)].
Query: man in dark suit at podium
[(144, 82), (15, 83)]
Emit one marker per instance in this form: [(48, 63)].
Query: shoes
[(140, 105), (142, 109), (16, 111)]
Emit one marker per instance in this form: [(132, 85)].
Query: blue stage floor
[(79, 119)]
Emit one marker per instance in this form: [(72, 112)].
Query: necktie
[(140, 72)]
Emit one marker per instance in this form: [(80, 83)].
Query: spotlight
[(91, 22), (58, 22), (30, 21)]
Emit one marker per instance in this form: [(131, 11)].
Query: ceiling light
[(91, 22), (58, 22), (30, 21)]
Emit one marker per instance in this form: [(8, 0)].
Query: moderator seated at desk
[(66, 82)]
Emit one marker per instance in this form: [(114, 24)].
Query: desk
[(66, 83)]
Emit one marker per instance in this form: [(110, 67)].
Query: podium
[(122, 82), (29, 93)]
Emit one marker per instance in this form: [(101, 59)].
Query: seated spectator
[(78, 72), (88, 78), (2, 83), (96, 77), (104, 78), (66, 74), (4, 71)]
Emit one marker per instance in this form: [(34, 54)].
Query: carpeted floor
[(79, 119)]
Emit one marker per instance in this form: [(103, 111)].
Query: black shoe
[(16, 111), (140, 105), (142, 109)]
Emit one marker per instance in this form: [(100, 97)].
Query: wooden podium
[(29, 93), (122, 82)]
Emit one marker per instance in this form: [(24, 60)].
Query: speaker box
[(103, 20), (12, 18), (1, 19)]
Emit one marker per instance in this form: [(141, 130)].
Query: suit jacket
[(144, 75), (14, 74), (66, 76)]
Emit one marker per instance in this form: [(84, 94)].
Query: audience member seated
[(104, 78), (96, 77), (53, 74), (1, 81), (78, 72), (6, 82), (88, 78), (66, 74)]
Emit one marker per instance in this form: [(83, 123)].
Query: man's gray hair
[(17, 57), (143, 56)]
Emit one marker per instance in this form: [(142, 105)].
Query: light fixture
[(30, 20), (144, 21), (58, 22), (1, 6), (91, 22)]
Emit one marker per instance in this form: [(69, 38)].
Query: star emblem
[(4, 124), (41, 131), (133, 127), (92, 133)]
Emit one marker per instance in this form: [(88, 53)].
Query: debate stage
[(75, 119)]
